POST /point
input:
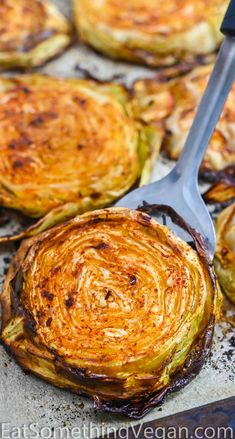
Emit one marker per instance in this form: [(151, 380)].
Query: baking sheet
[(25, 399)]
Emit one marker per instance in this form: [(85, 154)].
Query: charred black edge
[(163, 75), (137, 407), (225, 178), (227, 182), (215, 176), (115, 78), (16, 306)]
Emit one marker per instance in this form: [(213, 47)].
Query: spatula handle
[(228, 25)]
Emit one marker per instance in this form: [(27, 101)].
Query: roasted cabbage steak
[(152, 32), (69, 146), (111, 305), (173, 105)]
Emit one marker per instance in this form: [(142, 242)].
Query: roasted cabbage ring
[(31, 32), (112, 305), (153, 32), (225, 251), (69, 144), (173, 104)]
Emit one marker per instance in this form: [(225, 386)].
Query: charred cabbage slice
[(173, 106), (157, 33), (112, 305), (31, 32), (225, 251), (68, 146)]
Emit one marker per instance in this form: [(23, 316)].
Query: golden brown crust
[(225, 251), (75, 324), (31, 32), (154, 32), (68, 141), (174, 105)]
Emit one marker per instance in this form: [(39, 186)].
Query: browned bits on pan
[(232, 341), (4, 218)]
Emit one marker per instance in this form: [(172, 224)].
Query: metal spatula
[(179, 189)]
